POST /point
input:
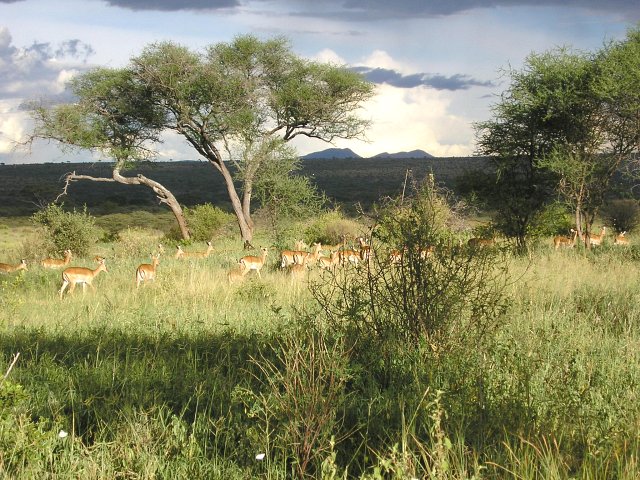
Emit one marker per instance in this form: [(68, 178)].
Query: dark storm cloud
[(34, 71), (173, 5), (448, 7), (436, 81)]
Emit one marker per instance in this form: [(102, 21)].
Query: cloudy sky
[(436, 63)]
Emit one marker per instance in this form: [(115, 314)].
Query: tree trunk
[(245, 224), (163, 194)]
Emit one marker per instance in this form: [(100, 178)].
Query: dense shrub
[(205, 220), (551, 220), (66, 230), (331, 227), (453, 293), (622, 215)]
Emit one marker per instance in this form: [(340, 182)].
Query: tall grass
[(190, 376)]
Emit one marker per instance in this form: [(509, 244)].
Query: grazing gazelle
[(182, 254), (621, 239), (147, 271), (56, 262), (74, 275), (9, 268), (250, 262), (562, 241)]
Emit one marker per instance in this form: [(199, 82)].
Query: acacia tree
[(115, 116), (565, 114), (236, 95)]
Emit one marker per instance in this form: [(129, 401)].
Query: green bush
[(205, 220), (66, 230), (331, 227), (552, 220)]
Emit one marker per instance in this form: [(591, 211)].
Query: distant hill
[(341, 153), (411, 154), (332, 153)]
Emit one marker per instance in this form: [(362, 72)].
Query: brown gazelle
[(290, 257), (147, 271), (478, 242), (562, 241), (313, 257), (365, 249), (621, 239), (182, 254), (9, 268), (350, 257), (74, 275), (57, 262), (298, 270), (250, 262), (329, 262), (596, 240)]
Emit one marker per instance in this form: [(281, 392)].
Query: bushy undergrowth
[(190, 377), (66, 230), (205, 221)]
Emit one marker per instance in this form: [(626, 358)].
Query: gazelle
[(425, 252), (621, 239), (9, 268), (396, 256), (596, 240), (477, 242), (182, 254), (329, 262), (250, 262), (147, 271), (74, 275), (349, 256), (300, 245), (365, 249), (562, 241), (290, 257), (56, 262), (337, 246), (313, 257), (298, 270)]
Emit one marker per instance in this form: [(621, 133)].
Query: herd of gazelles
[(296, 261)]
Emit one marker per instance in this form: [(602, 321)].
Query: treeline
[(25, 188)]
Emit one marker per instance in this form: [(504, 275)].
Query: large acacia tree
[(235, 98)]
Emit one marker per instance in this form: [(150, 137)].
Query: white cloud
[(409, 119), (329, 56)]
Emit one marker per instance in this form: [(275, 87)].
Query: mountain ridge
[(346, 153)]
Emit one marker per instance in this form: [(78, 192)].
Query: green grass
[(189, 376)]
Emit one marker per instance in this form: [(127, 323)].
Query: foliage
[(622, 215), (330, 228), (301, 401), (282, 194), (235, 97), (66, 230), (554, 219), (451, 296), (205, 220)]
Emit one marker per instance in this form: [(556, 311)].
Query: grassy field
[(191, 376)]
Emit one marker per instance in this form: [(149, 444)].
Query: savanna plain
[(464, 363)]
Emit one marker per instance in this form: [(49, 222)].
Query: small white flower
[(260, 456), (63, 434)]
